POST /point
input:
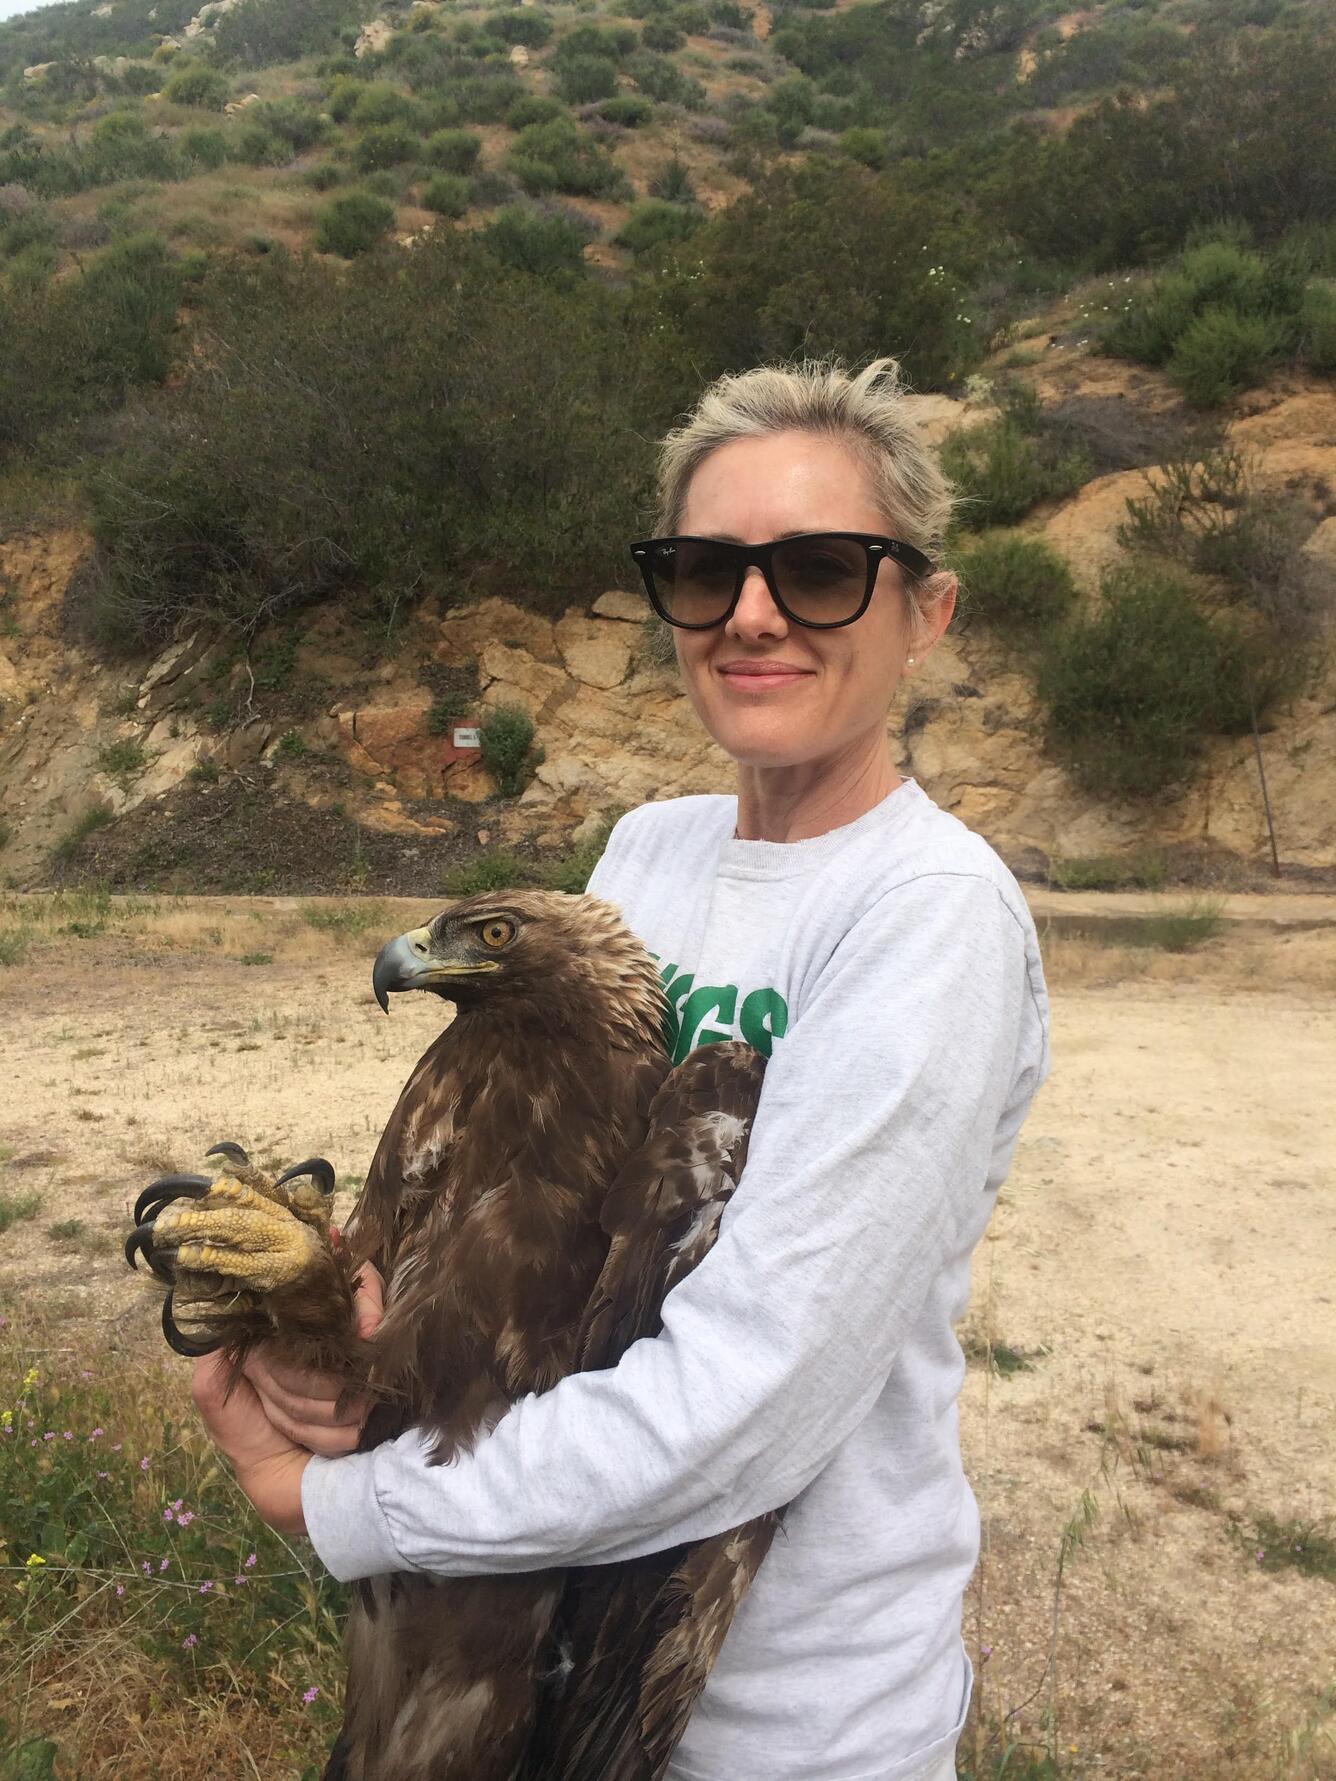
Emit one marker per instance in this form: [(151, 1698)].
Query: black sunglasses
[(819, 579)]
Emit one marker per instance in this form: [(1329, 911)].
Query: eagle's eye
[(498, 933)]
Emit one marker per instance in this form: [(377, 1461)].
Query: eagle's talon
[(232, 1151), (320, 1171), (141, 1238), (179, 1341), (170, 1187)]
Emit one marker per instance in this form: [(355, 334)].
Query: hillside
[(333, 345)]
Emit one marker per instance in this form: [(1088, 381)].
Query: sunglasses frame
[(879, 549)]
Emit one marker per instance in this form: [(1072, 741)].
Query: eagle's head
[(551, 958)]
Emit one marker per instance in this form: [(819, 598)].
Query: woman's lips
[(761, 676)]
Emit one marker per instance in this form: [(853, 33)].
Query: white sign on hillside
[(465, 736)]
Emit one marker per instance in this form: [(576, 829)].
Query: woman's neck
[(796, 803)]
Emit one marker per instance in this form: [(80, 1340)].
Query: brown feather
[(633, 1643)]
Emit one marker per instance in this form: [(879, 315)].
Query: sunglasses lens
[(821, 579), (693, 580)]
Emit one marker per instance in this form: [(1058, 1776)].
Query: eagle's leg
[(249, 1258)]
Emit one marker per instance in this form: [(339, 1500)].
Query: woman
[(885, 959)]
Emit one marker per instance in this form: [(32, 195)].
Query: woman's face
[(831, 688)]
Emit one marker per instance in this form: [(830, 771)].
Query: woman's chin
[(764, 742)]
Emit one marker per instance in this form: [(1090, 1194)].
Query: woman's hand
[(277, 1417), (267, 1465), (301, 1404)]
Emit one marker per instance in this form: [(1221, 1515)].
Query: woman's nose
[(756, 614)]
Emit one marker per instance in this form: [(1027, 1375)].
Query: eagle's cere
[(544, 1180)]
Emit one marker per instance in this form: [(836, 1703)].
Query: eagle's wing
[(633, 1643)]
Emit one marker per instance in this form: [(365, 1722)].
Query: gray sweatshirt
[(890, 971)]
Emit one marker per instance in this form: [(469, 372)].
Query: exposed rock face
[(373, 37), (208, 16)]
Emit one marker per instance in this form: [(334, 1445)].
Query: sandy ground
[(1164, 1254)]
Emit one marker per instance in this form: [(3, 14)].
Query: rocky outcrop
[(601, 686)]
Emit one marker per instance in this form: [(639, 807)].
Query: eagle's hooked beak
[(413, 962)]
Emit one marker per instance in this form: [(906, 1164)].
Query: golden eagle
[(545, 1179)]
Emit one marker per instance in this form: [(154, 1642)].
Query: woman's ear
[(937, 604)]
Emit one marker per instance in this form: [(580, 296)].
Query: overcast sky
[(10, 9)]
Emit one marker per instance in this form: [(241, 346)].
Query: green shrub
[(353, 224), (654, 222), (255, 146), (1179, 930), (1016, 583), (485, 97), (385, 145), (206, 505), (662, 36), (447, 194), (497, 870), (828, 257), (673, 185), (585, 78), (541, 245), (571, 873), (627, 109), (259, 33), (556, 156), (1005, 467), (292, 121), (611, 41), (1317, 330), (96, 817), (121, 146), (866, 145), (123, 760), (454, 151), (13, 1207), (534, 108), (203, 147), (661, 79), (1223, 352), (292, 746), (1132, 692), (532, 28), (378, 102), (446, 711), (508, 752), (199, 85), (344, 93), (1143, 870), (325, 176)]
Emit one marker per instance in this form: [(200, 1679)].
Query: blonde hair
[(868, 412)]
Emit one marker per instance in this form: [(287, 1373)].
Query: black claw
[(141, 1238), (233, 1152), (321, 1172), (170, 1187), (182, 1343)]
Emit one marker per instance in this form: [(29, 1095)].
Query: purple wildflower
[(310, 1695), (189, 1642), (249, 1562), (204, 1588)]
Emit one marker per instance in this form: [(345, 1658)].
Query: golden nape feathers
[(544, 1180)]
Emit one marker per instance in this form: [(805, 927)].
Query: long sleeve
[(874, 1138)]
